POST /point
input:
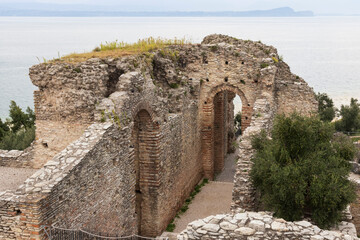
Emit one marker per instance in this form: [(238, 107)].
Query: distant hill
[(278, 12)]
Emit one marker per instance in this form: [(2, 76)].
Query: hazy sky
[(318, 6)]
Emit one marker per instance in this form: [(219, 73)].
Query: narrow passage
[(214, 198)]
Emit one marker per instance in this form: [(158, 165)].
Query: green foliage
[(264, 65), (19, 119), (302, 171), (171, 227), (350, 121), (344, 146), (19, 140), (174, 85), (326, 107), (18, 132), (3, 129), (77, 70), (185, 206)]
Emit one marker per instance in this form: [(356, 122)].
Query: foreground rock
[(251, 225)]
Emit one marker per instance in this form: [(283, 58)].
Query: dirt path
[(214, 198), (227, 175), (12, 178)]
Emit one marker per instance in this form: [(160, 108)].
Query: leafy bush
[(19, 140), (301, 171), (344, 146), (326, 107), (18, 132), (350, 121), (3, 129)]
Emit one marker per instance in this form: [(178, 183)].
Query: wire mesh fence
[(56, 233)]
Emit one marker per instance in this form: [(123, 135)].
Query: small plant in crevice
[(185, 206), (264, 65), (103, 117), (77, 70), (242, 81), (214, 48), (171, 227), (275, 59), (174, 85)]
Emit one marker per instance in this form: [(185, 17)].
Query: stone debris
[(261, 226)]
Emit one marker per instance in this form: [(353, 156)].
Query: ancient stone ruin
[(121, 142)]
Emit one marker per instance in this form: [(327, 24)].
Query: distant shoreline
[(277, 12)]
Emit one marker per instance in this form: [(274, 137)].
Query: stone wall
[(261, 225), (157, 119), (17, 159), (52, 137), (7, 218), (91, 181), (291, 90), (244, 192)]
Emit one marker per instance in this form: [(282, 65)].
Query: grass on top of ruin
[(117, 49)]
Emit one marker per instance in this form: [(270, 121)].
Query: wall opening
[(146, 165), (226, 105), (113, 80), (219, 130)]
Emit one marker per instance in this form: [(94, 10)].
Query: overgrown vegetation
[(119, 48), (18, 132), (302, 171), (326, 107), (350, 117), (185, 206)]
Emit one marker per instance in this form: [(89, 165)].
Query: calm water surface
[(323, 50)]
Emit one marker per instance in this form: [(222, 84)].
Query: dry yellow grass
[(119, 49)]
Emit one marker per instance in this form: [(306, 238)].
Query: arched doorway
[(217, 126), (145, 139)]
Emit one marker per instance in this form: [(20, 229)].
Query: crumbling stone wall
[(291, 90), (252, 225), (156, 116), (17, 159), (65, 102)]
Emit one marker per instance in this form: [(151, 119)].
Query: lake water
[(325, 51)]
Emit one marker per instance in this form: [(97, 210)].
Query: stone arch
[(213, 125), (247, 108), (146, 144)]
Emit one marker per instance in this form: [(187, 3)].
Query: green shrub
[(350, 121), (170, 227), (344, 146), (326, 107), (301, 172), (19, 140), (18, 132)]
